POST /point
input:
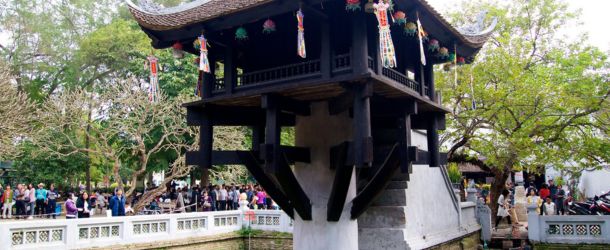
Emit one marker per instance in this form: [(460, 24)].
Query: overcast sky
[(595, 18)]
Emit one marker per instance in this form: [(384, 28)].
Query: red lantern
[(400, 17), (461, 60), (177, 50), (352, 5)]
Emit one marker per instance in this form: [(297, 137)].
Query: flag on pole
[(421, 34)]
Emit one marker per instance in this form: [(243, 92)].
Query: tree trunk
[(205, 177), (499, 184), (87, 145)]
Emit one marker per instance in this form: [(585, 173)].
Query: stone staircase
[(520, 204), (382, 226)]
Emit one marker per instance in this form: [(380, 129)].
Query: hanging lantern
[(177, 50), (461, 60), (400, 18), (301, 51), (268, 27), (452, 57), (433, 45), (369, 8), (443, 52), (410, 29), (197, 44), (352, 5), (241, 34)]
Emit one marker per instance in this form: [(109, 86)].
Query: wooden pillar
[(363, 141), (206, 140), (230, 70), (208, 79), (419, 73), (257, 136), (432, 136), (271, 150), (359, 57), (325, 50), (429, 78), (404, 133)]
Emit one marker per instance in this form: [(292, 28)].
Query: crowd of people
[(214, 198), (27, 202)]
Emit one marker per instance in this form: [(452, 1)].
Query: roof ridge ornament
[(479, 28)]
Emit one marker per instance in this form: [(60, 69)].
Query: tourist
[(503, 207), (52, 196), (71, 209), (544, 193), (180, 202), (31, 200), (268, 201), (548, 208), (260, 201), (195, 198), (236, 198), (222, 198), (1, 197), (117, 204), (254, 203), (18, 199), (534, 200), (7, 201), (230, 197), (559, 200), (100, 203), (41, 200), (214, 196), (83, 205), (553, 190), (128, 209), (207, 202)]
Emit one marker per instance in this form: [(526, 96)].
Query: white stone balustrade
[(571, 229), (100, 232)]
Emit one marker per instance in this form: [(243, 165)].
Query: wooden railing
[(283, 73), (401, 78), (341, 63)]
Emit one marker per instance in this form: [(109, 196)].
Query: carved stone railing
[(107, 231), (401, 78), (572, 229)]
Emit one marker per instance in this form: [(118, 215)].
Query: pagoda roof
[(159, 20)]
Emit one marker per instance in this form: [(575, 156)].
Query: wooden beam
[(341, 103), (343, 177), (429, 78), (206, 140), (249, 160), (377, 184), (287, 104), (291, 187), (230, 69), (232, 116)]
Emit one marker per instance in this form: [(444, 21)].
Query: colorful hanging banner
[(301, 35), (386, 46), (204, 63), (153, 87), (421, 34)]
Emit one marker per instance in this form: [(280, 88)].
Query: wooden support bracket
[(343, 177)]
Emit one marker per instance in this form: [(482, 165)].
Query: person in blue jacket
[(117, 203)]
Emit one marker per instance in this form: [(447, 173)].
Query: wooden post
[(363, 142), (208, 79), (206, 140), (432, 136), (404, 133), (230, 70), (429, 78), (325, 51), (271, 151), (359, 57), (419, 73)]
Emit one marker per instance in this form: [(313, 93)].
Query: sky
[(595, 19)]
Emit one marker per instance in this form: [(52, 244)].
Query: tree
[(540, 100), (125, 125), (16, 114)]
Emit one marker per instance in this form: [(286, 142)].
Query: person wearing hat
[(41, 200)]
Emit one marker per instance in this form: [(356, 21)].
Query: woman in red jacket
[(544, 193)]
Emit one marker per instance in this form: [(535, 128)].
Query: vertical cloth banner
[(386, 46), (204, 63), (153, 88), (421, 34), (301, 35)]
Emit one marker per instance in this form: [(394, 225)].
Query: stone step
[(397, 185), (381, 238), (383, 217), (391, 197)]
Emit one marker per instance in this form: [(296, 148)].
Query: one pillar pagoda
[(354, 78)]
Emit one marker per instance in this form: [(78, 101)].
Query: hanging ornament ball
[(197, 44), (177, 51), (369, 7), (241, 33), (268, 27), (400, 18), (443, 52), (447, 66), (461, 60), (410, 29), (452, 57), (352, 5), (433, 45)]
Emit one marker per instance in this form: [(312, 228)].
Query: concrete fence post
[(533, 223)]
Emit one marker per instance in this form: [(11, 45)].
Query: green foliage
[(248, 231), (454, 172)]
